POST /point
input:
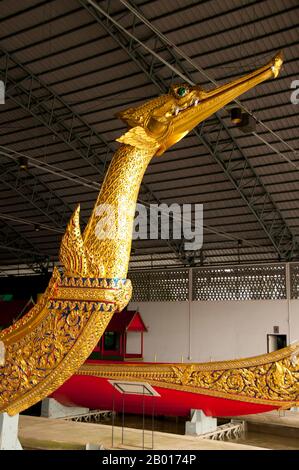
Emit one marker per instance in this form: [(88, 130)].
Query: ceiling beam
[(28, 186), (223, 147), (21, 248), (29, 92)]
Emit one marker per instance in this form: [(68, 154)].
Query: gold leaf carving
[(75, 257), (270, 379)]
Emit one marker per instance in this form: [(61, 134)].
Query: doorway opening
[(275, 342)]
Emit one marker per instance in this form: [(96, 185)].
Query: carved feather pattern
[(137, 137), (74, 256)]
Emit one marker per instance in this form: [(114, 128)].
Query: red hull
[(97, 393)]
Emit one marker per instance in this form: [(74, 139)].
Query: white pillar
[(288, 292), (93, 446), (200, 424), (9, 432), (190, 299), (53, 409)]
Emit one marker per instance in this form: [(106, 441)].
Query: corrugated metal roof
[(72, 53)]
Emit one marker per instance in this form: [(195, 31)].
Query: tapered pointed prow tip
[(277, 63)]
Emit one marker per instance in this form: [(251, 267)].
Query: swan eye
[(182, 91)]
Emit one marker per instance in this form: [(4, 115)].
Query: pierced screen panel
[(294, 279), (160, 286), (240, 283)]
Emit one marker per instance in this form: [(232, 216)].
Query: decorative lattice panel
[(159, 286), (240, 283), (294, 279)]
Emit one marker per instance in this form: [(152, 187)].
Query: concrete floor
[(286, 418), (45, 433), (273, 430)]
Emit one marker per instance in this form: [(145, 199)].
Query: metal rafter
[(43, 104), (219, 141), (32, 95), (29, 92), (21, 248), (49, 168), (54, 208), (27, 185)]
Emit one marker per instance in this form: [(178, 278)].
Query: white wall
[(219, 330), (133, 345), (294, 320)]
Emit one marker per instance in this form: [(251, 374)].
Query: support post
[(200, 424), (52, 409), (9, 432), (288, 292), (190, 299)]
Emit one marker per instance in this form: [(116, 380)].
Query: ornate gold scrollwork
[(50, 343), (66, 325), (268, 379)]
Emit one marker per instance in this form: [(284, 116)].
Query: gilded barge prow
[(49, 344)]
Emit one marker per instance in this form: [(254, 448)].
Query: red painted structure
[(113, 344), (97, 393)]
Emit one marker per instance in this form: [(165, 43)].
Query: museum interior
[(149, 225)]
